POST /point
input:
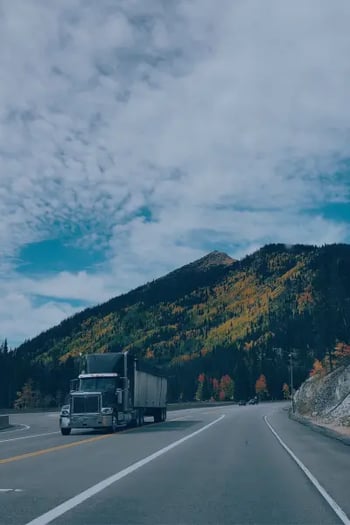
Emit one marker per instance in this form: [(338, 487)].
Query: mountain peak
[(214, 258)]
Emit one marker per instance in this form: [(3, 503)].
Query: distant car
[(242, 402), (253, 401)]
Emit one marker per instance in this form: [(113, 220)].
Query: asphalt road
[(215, 465)]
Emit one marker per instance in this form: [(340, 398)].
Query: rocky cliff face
[(327, 397)]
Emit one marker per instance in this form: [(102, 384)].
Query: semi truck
[(114, 391)]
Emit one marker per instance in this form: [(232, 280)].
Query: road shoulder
[(322, 429)]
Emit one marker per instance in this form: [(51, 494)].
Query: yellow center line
[(52, 449), (69, 445)]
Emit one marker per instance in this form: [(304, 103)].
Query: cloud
[(21, 318), (156, 130)]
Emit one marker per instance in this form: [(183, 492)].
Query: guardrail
[(4, 422)]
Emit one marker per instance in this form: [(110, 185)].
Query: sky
[(137, 136)]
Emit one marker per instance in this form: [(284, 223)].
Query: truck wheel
[(65, 431), (113, 428), (135, 422), (158, 415), (139, 418)]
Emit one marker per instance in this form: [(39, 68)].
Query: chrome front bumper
[(86, 421)]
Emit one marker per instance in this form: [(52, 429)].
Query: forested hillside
[(217, 327)]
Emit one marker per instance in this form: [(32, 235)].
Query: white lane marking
[(54, 513), (25, 427), (28, 437), (333, 504), (11, 490)]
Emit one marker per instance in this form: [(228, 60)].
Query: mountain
[(212, 319)]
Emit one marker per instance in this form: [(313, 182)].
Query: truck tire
[(140, 420), (113, 428), (66, 431), (158, 415), (163, 414), (136, 422)]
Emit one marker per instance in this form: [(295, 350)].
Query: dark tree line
[(49, 382)]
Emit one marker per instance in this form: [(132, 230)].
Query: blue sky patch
[(339, 211), (55, 255)]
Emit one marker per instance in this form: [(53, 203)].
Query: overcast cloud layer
[(155, 131)]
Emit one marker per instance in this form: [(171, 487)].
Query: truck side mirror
[(119, 394)]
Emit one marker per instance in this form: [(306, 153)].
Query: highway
[(216, 465)]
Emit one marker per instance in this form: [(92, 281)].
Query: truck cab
[(95, 402)]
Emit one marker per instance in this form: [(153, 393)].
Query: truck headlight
[(65, 411), (107, 411)]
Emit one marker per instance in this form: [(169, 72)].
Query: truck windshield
[(97, 384)]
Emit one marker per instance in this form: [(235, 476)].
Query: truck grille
[(85, 404)]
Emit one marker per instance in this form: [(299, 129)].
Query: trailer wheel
[(65, 431), (158, 415), (140, 421)]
